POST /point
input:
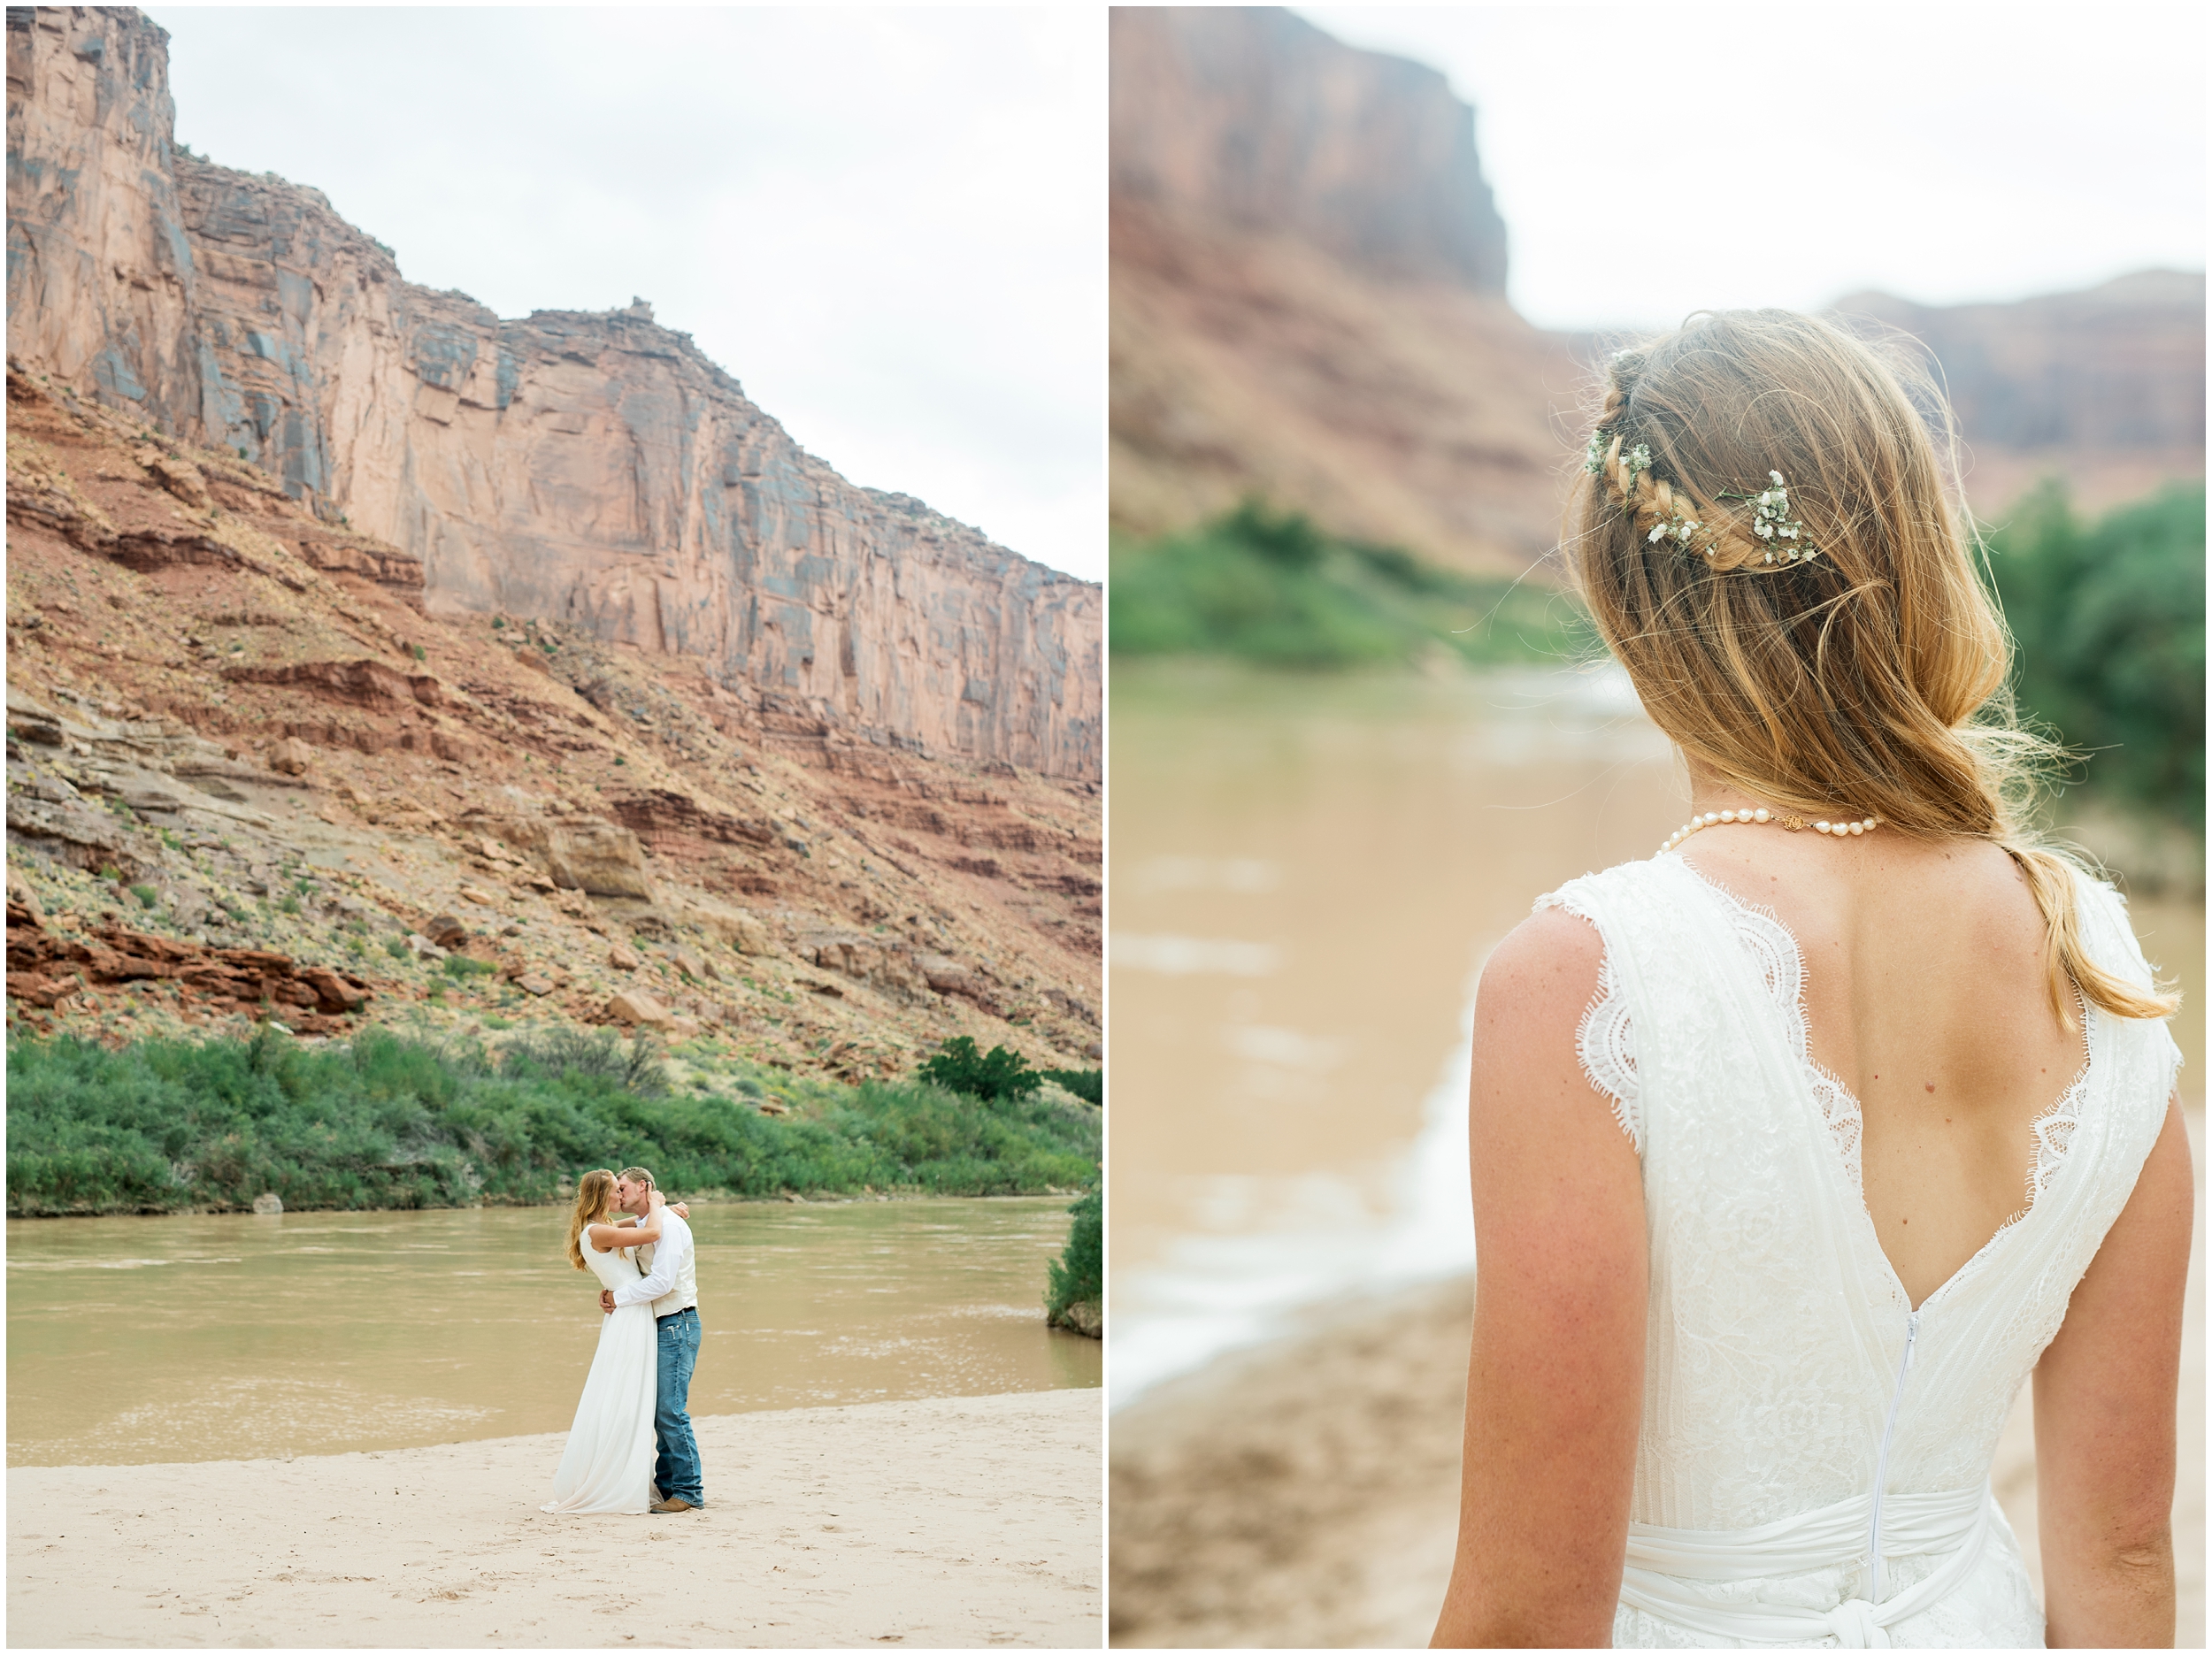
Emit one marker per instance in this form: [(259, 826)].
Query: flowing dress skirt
[(608, 1464)]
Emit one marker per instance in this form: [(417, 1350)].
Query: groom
[(671, 1286)]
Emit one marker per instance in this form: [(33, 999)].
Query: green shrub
[(146, 894), (1272, 588), (1086, 1084), (2109, 619), (389, 1121), (594, 1054), (1076, 1275), (998, 1073), (461, 968)]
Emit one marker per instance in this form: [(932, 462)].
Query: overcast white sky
[(1655, 159), (888, 224)]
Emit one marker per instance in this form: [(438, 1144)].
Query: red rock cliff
[(1251, 116), (590, 468), (2104, 388), (1307, 296)]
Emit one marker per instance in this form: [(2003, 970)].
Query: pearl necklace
[(1790, 823)]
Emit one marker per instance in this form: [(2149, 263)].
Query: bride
[(1798, 1147), (608, 1464)]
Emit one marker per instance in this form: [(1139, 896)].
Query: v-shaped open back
[(1771, 949), (1792, 1389)]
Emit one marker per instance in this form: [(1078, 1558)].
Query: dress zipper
[(1881, 1460)]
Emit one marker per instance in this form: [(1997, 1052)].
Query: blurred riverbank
[(1307, 873)]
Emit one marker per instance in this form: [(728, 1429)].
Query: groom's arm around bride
[(671, 1286)]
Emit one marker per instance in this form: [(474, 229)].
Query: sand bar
[(953, 1523)]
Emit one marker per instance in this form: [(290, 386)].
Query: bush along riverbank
[(390, 1121), (1272, 589), (2109, 617), (1075, 1287)]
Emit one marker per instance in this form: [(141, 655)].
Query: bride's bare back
[(1927, 995)]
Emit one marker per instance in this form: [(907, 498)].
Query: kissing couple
[(631, 1449)]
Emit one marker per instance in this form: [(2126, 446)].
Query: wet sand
[(1305, 1492), (955, 1522)]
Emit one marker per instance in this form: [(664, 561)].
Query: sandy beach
[(955, 1523), (1305, 1492)]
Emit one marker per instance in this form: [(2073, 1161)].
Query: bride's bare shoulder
[(1545, 967)]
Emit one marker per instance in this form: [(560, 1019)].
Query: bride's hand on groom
[(682, 1209)]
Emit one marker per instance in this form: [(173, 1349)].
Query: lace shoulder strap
[(2109, 939), (1617, 903), (2106, 932)]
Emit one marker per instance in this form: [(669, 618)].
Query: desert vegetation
[(2109, 617), (392, 1121), (1271, 588)]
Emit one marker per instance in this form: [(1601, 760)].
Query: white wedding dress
[(1814, 1460), (608, 1464)]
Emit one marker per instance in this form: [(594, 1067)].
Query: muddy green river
[(138, 1340)]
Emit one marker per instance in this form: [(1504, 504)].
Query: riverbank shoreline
[(950, 1523), (823, 1199)]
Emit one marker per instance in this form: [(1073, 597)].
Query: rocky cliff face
[(593, 469), (1307, 296), (2104, 388), (1249, 116), (247, 771)]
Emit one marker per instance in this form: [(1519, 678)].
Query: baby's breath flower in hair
[(1770, 520), (1678, 526), (1774, 536)]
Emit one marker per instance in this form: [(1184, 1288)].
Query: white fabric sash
[(1663, 1563)]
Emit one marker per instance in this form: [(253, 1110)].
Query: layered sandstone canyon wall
[(590, 468), (1307, 298), (1250, 117)]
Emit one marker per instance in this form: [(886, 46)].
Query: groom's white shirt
[(672, 1276)]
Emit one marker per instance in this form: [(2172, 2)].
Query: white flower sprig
[(1770, 521), (1677, 527), (1782, 535), (1636, 459)]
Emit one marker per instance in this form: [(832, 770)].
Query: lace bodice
[(1777, 1327)]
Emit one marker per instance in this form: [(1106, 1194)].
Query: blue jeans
[(676, 1467)]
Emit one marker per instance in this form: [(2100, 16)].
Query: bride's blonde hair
[(593, 1191), (1866, 680)]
